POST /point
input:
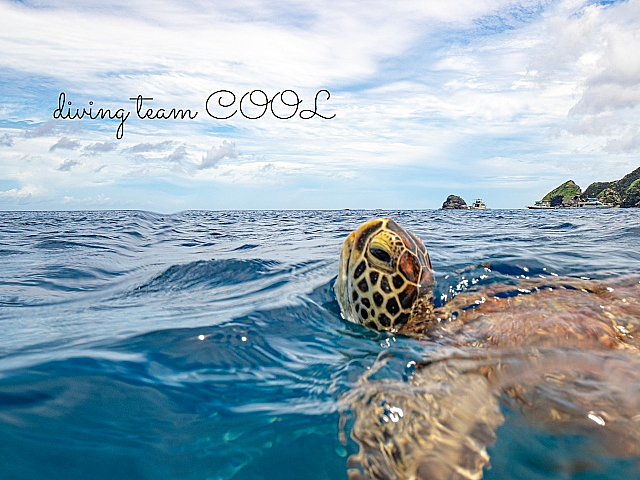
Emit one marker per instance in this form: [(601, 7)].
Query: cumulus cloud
[(95, 149), (606, 98), (67, 165), (45, 130), (6, 140), (100, 199), (178, 154), (151, 147), (65, 144), (629, 143), (597, 124), (586, 51), (216, 154), (27, 191)]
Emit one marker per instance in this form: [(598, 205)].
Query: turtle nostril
[(381, 255)]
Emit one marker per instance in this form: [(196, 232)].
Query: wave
[(210, 273)]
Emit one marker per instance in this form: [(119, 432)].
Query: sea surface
[(209, 345)]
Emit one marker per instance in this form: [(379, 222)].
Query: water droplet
[(596, 418)]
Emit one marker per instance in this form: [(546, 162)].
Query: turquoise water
[(209, 345)]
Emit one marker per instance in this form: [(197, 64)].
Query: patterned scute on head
[(384, 270)]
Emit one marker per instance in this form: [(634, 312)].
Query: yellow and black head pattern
[(385, 276)]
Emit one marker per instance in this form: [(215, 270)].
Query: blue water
[(209, 345)]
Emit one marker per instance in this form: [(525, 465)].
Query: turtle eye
[(381, 255)]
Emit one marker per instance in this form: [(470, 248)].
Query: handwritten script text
[(220, 105)]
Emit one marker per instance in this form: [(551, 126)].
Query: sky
[(413, 101)]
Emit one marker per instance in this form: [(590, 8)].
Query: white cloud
[(65, 144), (47, 129), (595, 47), (6, 140), (67, 165), (27, 191), (150, 147), (184, 49), (178, 154), (217, 154), (98, 148), (606, 98), (99, 200), (628, 143)]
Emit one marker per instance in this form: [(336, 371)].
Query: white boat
[(594, 203), (589, 203), (478, 204), (539, 205)]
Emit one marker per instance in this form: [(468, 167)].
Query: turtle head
[(385, 276)]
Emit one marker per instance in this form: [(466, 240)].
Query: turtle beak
[(427, 280)]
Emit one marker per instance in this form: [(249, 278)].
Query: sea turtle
[(559, 350)]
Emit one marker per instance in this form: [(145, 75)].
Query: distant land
[(623, 193)]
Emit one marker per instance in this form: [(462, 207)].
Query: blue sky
[(502, 100)]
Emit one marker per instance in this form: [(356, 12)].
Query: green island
[(623, 193)]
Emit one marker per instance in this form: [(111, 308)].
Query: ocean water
[(209, 345)]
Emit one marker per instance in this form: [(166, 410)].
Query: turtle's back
[(545, 312), (563, 355)]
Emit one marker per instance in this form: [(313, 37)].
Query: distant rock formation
[(556, 200), (569, 192), (454, 202), (623, 192)]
